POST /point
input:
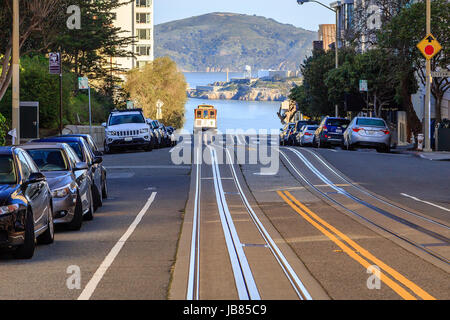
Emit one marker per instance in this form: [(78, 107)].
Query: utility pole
[(336, 54), (16, 74), (428, 86)]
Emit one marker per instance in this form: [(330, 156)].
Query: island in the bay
[(267, 86)]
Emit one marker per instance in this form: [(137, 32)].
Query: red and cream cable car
[(205, 118)]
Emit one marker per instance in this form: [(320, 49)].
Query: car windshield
[(77, 148), (7, 170), (49, 159), (313, 128), (371, 122), (126, 118), (338, 122)]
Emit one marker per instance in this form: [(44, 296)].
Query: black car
[(330, 132), (95, 168), (26, 212)]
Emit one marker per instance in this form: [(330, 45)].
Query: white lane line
[(194, 262), (245, 283), (98, 275), (427, 202), (282, 261), (149, 167)]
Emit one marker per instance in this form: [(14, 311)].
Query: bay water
[(231, 114)]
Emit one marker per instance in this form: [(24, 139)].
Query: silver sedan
[(68, 180), (365, 132), (306, 135)]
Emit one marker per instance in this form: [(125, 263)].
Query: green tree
[(38, 20), (87, 50), (376, 67), (159, 80), (401, 36), (3, 130)]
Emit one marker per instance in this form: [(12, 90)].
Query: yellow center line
[(317, 223)]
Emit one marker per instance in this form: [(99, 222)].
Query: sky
[(307, 16)]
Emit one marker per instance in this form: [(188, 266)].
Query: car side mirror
[(80, 166), (104, 124), (36, 177), (98, 160)]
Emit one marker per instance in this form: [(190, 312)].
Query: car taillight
[(325, 128), (356, 129), (325, 136), (386, 131), (308, 134)]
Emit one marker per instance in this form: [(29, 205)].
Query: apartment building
[(327, 35), (136, 19)]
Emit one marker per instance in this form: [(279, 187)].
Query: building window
[(144, 34), (142, 64), (143, 17), (143, 3), (143, 50)]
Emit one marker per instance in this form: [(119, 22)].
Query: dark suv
[(330, 132)]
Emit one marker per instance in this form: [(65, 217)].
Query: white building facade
[(136, 19)]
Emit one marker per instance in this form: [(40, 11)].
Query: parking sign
[(54, 62)]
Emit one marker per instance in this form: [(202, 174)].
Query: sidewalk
[(435, 156)]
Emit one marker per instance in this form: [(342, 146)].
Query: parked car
[(306, 135), (173, 140), (68, 180), (365, 132), (159, 135), (96, 153), (127, 129), (94, 148), (284, 133), (26, 203), (95, 167), (330, 132)]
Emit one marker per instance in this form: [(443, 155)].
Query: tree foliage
[(159, 80)]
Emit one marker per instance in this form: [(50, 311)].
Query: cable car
[(205, 118)]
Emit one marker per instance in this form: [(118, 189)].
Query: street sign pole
[(90, 111), (83, 84), (428, 85), (60, 96), (15, 74)]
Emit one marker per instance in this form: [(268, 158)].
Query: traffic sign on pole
[(54, 62), (363, 86), (429, 46)]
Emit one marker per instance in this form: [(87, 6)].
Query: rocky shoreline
[(236, 90)]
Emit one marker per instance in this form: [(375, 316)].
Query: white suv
[(125, 129)]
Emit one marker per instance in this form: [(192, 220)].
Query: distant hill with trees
[(217, 41)]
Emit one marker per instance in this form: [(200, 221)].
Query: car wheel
[(49, 235), (106, 148), (90, 215), (26, 250), (77, 219)]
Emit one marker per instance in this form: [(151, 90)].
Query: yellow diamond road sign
[(429, 46)]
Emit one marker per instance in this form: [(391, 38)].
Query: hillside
[(217, 41)]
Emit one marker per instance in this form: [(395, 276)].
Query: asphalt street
[(326, 224)]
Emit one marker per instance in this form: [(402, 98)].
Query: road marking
[(293, 278), (322, 226), (103, 268), (194, 261), (149, 167), (427, 202), (245, 283)]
